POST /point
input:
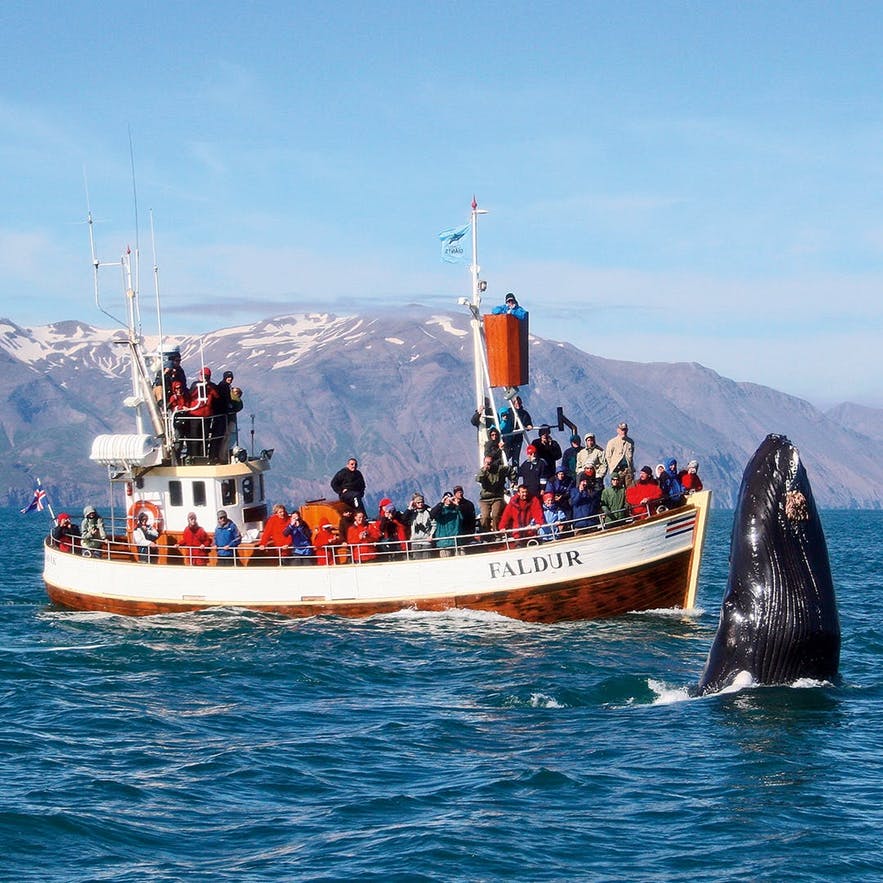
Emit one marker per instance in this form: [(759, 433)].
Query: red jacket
[(641, 496), (324, 542), (519, 514), (273, 535), (361, 538), (179, 401), (690, 481), (195, 540), (204, 399)]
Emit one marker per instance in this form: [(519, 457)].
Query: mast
[(141, 398), (478, 356)]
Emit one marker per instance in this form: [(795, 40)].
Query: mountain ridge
[(396, 390)]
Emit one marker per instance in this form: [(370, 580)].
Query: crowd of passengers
[(547, 499), (203, 414), (551, 493)]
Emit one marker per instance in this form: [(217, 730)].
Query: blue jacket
[(517, 311), (561, 487), (553, 516), (228, 535), (300, 539), (585, 504), (670, 483)]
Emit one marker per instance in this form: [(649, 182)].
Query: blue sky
[(665, 181)]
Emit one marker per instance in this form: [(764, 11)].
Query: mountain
[(395, 390), (858, 418)]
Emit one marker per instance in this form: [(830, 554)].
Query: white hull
[(626, 558)]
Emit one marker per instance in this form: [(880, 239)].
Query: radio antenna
[(137, 281)]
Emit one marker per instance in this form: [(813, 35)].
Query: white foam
[(666, 695), (541, 700)]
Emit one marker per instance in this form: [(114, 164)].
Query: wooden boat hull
[(650, 564)]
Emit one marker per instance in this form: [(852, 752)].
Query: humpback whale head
[(779, 618)]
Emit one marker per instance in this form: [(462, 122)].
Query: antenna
[(136, 286), (96, 264), (158, 310)]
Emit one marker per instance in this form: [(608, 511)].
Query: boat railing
[(200, 439), (121, 548)]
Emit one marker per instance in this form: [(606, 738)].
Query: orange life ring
[(151, 509)]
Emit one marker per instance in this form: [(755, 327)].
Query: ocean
[(443, 747)]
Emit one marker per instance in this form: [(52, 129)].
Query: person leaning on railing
[(613, 504), (361, 538), (274, 533), (64, 534), (644, 495), (523, 515), (227, 538)]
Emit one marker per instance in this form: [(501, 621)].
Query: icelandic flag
[(37, 503), (452, 245)]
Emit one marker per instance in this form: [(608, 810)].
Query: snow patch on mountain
[(447, 325)]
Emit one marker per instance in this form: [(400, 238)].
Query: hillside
[(396, 391)]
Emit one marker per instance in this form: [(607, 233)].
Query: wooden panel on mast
[(507, 350)]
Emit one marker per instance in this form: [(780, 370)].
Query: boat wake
[(672, 612)]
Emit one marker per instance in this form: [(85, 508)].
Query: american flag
[(38, 502)]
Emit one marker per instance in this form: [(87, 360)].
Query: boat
[(169, 467)]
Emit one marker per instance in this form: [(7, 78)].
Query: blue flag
[(453, 247), (37, 503)]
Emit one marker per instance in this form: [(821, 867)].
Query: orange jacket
[(273, 534)]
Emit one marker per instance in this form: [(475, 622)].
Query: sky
[(664, 181)]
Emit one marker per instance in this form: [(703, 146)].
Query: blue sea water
[(233, 746)]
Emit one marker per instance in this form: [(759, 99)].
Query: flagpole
[(48, 504)]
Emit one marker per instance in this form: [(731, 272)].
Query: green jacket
[(613, 504)]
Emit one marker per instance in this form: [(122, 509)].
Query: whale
[(778, 620)]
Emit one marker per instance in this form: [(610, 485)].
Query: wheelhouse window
[(199, 493), (228, 492), (176, 494), (248, 490)]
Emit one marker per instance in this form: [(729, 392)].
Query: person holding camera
[(421, 526)]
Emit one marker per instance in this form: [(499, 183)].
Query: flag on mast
[(38, 501), (452, 247)]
